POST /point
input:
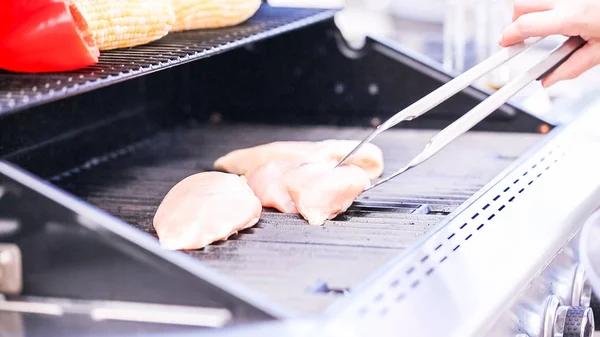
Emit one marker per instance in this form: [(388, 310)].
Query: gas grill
[(484, 232)]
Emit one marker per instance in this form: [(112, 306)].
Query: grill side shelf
[(21, 91)]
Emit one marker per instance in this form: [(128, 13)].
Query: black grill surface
[(19, 91), (282, 256)]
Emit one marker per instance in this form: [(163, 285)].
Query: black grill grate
[(283, 256), (19, 91)]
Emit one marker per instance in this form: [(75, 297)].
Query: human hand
[(541, 18)]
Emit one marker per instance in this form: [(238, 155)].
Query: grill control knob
[(573, 322)]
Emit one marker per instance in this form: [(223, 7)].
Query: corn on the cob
[(125, 23), (198, 14)]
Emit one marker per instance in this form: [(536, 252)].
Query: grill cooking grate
[(283, 256), (19, 91)]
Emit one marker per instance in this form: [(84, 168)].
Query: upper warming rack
[(20, 91)]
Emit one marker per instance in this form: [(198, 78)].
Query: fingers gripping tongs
[(478, 113)]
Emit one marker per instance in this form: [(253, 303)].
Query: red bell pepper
[(44, 36)]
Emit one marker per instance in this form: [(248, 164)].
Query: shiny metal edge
[(463, 277)]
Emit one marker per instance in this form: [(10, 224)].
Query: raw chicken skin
[(242, 161), (204, 208), (321, 191), (267, 184)]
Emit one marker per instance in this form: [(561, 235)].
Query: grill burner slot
[(283, 256)]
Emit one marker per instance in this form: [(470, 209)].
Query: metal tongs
[(478, 113)]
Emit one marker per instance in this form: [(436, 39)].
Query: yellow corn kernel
[(199, 14), (125, 23)]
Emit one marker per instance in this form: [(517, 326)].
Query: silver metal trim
[(464, 277)]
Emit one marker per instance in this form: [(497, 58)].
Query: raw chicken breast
[(267, 184), (321, 191), (204, 208), (369, 157)]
